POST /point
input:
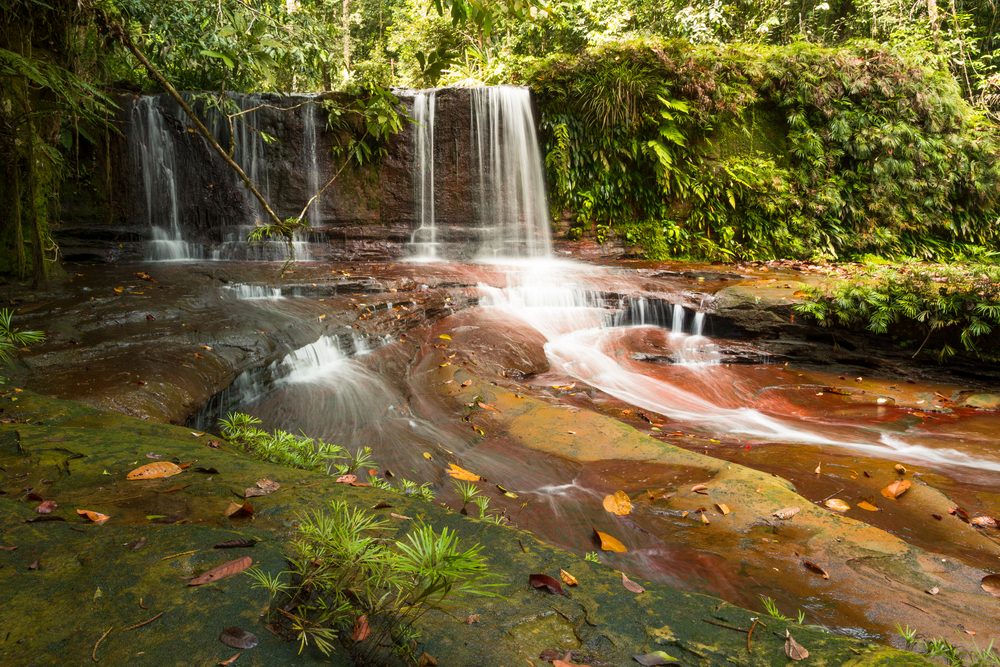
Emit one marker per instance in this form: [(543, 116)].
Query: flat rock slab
[(70, 582)]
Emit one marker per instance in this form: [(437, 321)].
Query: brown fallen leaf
[(230, 661), (563, 663), (865, 505), (631, 585), (787, 513), (221, 572), (236, 509), (991, 584), (34, 565), (264, 487), (361, 629), (960, 513), (47, 507), (138, 544), (704, 519), (609, 543), (175, 488), (232, 544), (3, 548), (793, 649), (816, 568), (618, 503), (467, 383), (156, 470), (819, 468), (896, 489), (568, 578), (933, 591), (980, 521), (399, 516), (545, 581), (426, 660), (486, 406), (96, 517), (237, 638), (473, 618), (700, 488), (347, 479), (379, 506)]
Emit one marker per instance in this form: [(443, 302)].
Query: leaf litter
[(221, 572), (547, 582), (235, 637), (264, 487)]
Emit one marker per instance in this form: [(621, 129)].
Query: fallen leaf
[(138, 544), (96, 517), (236, 509), (399, 516), (609, 543), (819, 468), (379, 506), (347, 479), (361, 629), (981, 521), (793, 649), (232, 544), (896, 489), (426, 660), (175, 488), (486, 406), (723, 508), (991, 584), (237, 638), (787, 513), (704, 519), (226, 663), (816, 568), (960, 513), (264, 487), (221, 572), (198, 356), (700, 488), (547, 582), (838, 505), (618, 503), (463, 474), (205, 347), (563, 663), (34, 565), (56, 439), (3, 548), (900, 469), (631, 585), (655, 658), (933, 591), (568, 578), (210, 471), (156, 470), (467, 383), (47, 507), (444, 337), (428, 456), (865, 505), (506, 492), (473, 618)]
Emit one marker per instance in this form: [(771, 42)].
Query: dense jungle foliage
[(704, 128)]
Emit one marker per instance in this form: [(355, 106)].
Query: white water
[(581, 344), (424, 238), (246, 292), (314, 216), (153, 143)]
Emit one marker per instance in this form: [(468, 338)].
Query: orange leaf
[(700, 488), (896, 489), (618, 503), (865, 505), (816, 568), (235, 509), (568, 578), (787, 513), (486, 406), (223, 571), (96, 517), (463, 474), (226, 663), (609, 543), (361, 629), (155, 470), (563, 663)]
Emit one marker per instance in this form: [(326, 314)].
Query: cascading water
[(154, 151), (312, 163), (424, 237), (513, 212)]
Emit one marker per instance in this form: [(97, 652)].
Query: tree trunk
[(932, 14), (346, 27), (14, 178), (38, 269)]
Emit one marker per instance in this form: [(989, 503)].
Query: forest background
[(747, 129)]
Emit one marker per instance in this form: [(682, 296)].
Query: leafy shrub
[(11, 339)]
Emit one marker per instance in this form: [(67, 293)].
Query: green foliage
[(11, 339), (286, 449), (953, 655), (826, 152), (959, 307), (345, 574)]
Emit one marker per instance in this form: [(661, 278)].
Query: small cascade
[(513, 211), (153, 147), (698, 325), (424, 237), (677, 325), (246, 292), (314, 215)]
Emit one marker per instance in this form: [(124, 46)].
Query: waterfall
[(699, 324), (424, 238), (678, 323), (153, 148), (315, 217), (513, 212)]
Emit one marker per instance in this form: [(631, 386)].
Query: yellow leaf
[(445, 337), (96, 517), (722, 508), (155, 471), (462, 473), (205, 347), (618, 503), (568, 578), (865, 505), (119, 289), (838, 505), (428, 456), (609, 543), (323, 316), (704, 519)]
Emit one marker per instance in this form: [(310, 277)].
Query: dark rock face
[(367, 213)]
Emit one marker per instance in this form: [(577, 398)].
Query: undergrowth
[(954, 655), (936, 309)]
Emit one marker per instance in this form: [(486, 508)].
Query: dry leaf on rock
[(138, 544), (568, 578), (896, 489), (547, 582), (980, 521), (232, 544), (960, 513), (221, 572), (426, 660), (226, 663), (47, 507), (631, 585), (793, 649), (700, 488), (264, 487), (787, 513), (361, 629), (933, 591), (235, 509), (473, 618), (609, 543), (837, 504), (347, 479), (463, 474), (398, 516), (156, 470), (865, 505), (816, 568), (991, 584), (237, 638), (655, 658), (900, 469), (723, 508), (618, 503), (96, 517), (563, 663), (467, 383)]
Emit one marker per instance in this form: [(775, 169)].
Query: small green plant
[(283, 448), (592, 557), (11, 339), (467, 492), (771, 607), (356, 461), (908, 634), (482, 502), (347, 577)]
